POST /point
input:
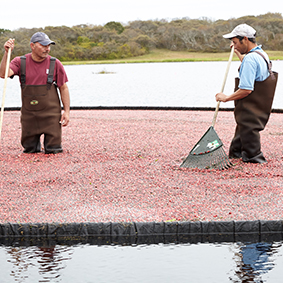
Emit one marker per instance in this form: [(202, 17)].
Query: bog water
[(219, 263), (188, 84)]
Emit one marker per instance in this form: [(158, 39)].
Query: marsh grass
[(162, 55)]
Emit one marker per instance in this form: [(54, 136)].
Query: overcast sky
[(31, 13)]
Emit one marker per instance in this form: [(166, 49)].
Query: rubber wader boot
[(41, 114), (251, 115)]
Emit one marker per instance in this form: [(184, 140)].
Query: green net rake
[(208, 153)]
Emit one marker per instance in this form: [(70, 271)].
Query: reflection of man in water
[(47, 260), (254, 261)]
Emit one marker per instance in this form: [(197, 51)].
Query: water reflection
[(47, 261), (203, 262), (254, 260)]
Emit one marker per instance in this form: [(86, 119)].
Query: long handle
[(223, 85), (4, 90)]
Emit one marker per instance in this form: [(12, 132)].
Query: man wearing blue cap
[(253, 95), (40, 76)]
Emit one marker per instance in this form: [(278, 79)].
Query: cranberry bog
[(124, 166)]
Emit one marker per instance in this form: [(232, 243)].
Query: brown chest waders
[(40, 114), (251, 115)]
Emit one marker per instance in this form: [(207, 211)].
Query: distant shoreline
[(162, 55)]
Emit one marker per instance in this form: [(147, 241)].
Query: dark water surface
[(219, 263)]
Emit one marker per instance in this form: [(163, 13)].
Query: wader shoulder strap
[(49, 77), (51, 72), (23, 71), (269, 64)]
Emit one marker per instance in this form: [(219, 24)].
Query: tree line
[(116, 41)]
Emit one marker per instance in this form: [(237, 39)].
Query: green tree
[(115, 26), (2, 31)]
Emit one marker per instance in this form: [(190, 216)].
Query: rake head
[(208, 153)]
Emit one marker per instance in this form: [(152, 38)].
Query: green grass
[(161, 55)]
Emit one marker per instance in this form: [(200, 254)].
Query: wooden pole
[(4, 89)]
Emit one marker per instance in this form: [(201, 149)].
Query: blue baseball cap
[(41, 38)]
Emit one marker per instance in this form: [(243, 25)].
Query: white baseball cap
[(241, 30)]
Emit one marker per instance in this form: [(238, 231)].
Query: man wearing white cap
[(40, 76), (253, 96)]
